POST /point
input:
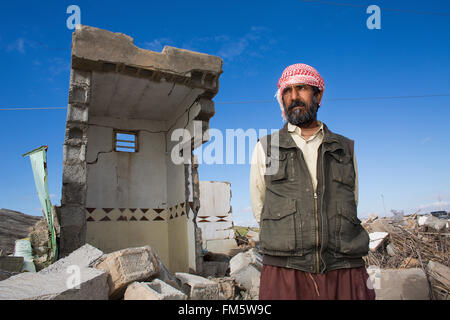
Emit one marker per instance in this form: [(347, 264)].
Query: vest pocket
[(278, 168), (351, 238), (278, 231), (342, 170)]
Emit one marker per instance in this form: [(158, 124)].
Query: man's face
[(301, 104)]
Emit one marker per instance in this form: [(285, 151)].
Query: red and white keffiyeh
[(298, 73)]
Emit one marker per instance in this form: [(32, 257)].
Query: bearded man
[(310, 236)]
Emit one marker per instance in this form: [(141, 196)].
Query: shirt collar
[(293, 128)]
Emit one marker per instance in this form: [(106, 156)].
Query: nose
[(294, 93)]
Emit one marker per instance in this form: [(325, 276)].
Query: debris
[(245, 268), (440, 279), (83, 257), (432, 222), (391, 250), (155, 290), (372, 217), (198, 288), (56, 286), (412, 243), (399, 284), (215, 268), (377, 239), (39, 238), (126, 266), (165, 275), (227, 288)]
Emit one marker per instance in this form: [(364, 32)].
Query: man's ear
[(319, 96)]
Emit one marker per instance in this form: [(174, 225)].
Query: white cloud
[(17, 45)]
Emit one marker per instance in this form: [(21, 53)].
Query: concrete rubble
[(126, 266), (399, 284), (198, 288), (245, 268), (71, 278), (408, 256), (154, 290)]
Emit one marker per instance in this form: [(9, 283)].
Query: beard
[(299, 117)]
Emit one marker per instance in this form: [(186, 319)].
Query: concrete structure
[(214, 217), (114, 199)]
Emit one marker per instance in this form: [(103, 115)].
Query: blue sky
[(402, 145)]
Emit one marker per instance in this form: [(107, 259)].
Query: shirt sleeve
[(257, 182), (356, 178)]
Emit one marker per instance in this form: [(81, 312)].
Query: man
[(310, 237)]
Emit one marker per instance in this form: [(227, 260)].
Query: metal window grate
[(125, 141)]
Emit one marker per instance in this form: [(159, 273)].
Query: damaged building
[(120, 187)]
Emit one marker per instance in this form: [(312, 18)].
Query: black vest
[(306, 230)]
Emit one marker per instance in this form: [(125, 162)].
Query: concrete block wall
[(72, 210)]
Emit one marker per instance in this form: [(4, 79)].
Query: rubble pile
[(404, 242)]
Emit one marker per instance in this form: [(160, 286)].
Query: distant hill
[(14, 225)]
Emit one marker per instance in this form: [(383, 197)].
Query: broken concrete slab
[(399, 284), (56, 286), (126, 266), (249, 277), (198, 288), (83, 257), (377, 239), (244, 259), (245, 268), (154, 290)]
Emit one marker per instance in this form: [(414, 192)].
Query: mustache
[(296, 103)]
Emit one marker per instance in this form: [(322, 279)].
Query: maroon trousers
[(279, 283)]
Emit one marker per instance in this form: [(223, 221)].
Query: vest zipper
[(292, 165), (317, 231)]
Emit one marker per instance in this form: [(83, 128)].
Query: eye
[(300, 87)]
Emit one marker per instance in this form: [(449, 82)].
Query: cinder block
[(155, 290), (78, 94), (77, 113), (126, 266), (198, 288), (80, 77)]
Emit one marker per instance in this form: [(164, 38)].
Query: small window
[(125, 141)]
